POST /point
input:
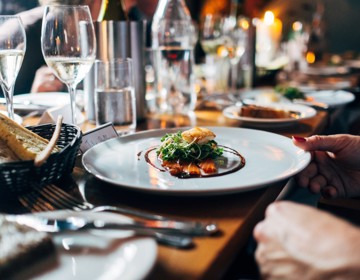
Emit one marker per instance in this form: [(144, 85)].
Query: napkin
[(51, 115)]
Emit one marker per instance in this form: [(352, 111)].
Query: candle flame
[(269, 17)]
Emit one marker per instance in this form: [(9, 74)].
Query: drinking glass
[(235, 38), (216, 67), (68, 45), (115, 99), (12, 51)]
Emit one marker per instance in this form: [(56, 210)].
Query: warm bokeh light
[(244, 23), (297, 26), (269, 17), (310, 57)]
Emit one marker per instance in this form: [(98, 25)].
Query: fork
[(54, 198), (38, 204)]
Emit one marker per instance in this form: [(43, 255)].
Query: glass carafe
[(173, 40)]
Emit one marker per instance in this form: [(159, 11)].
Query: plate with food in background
[(230, 160), (269, 114)]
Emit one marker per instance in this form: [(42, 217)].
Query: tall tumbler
[(119, 39), (115, 99)]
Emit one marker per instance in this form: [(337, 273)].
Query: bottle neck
[(112, 10), (237, 8)]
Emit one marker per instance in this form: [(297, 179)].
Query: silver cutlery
[(82, 224), (315, 104), (50, 198)]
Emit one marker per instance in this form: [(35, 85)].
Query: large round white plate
[(109, 254), (17, 118), (40, 101), (332, 98), (269, 158), (304, 111)]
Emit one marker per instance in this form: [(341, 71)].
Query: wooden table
[(235, 214)]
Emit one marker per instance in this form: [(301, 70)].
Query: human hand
[(335, 167), (301, 242), (45, 81)]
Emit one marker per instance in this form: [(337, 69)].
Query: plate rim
[(187, 192), (148, 241)]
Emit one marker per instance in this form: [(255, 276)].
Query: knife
[(75, 223), (315, 104)]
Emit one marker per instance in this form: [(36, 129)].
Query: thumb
[(330, 143)]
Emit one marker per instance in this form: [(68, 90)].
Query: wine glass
[(68, 44), (235, 38), (211, 40), (12, 51)]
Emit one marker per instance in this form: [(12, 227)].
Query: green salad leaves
[(290, 92), (174, 147)]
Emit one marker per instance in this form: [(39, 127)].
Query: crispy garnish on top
[(198, 135)]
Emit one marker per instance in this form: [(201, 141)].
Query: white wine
[(70, 70), (10, 63)]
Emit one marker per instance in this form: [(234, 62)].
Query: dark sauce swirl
[(225, 164)]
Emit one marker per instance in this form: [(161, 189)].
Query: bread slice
[(23, 142)]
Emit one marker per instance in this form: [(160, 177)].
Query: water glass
[(115, 99)]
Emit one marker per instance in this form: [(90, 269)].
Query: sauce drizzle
[(234, 163)]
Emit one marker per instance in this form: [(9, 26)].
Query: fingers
[(331, 143), (45, 81)]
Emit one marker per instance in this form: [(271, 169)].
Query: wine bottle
[(237, 8), (112, 10)]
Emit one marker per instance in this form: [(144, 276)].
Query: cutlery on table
[(51, 197), (72, 224)]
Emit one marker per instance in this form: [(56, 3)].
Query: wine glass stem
[(72, 92), (9, 93)]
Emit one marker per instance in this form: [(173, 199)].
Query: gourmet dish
[(21, 247), (194, 153), (256, 111), (19, 143)]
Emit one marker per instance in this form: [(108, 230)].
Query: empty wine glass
[(68, 45), (216, 67), (235, 37), (12, 51)]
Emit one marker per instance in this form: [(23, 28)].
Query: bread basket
[(19, 177)]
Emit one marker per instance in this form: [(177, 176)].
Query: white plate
[(326, 70), (269, 158), (99, 254), (17, 118), (332, 98), (30, 101), (304, 111)]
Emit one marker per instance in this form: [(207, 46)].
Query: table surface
[(235, 214)]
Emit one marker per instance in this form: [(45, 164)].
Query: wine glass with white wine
[(12, 51), (68, 44)]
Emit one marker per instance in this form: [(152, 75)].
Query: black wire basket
[(19, 177)]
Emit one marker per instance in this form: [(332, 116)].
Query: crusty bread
[(23, 142), (6, 155)]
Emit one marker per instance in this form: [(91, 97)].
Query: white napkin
[(51, 115)]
